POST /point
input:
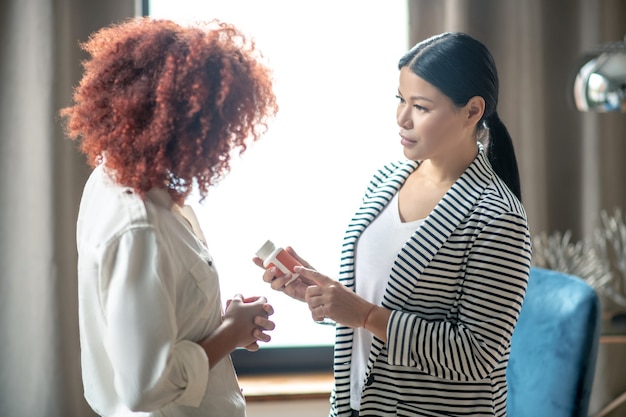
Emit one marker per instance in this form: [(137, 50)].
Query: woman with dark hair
[(159, 111), (435, 263), (461, 67)]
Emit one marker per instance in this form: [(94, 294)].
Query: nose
[(403, 116)]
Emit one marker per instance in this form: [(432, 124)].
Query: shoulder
[(493, 194), (396, 171), (500, 199), (399, 167), (107, 210), (500, 224)]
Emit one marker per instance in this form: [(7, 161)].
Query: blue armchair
[(554, 347)]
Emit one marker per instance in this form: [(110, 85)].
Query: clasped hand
[(250, 316)]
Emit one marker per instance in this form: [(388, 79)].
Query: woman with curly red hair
[(159, 111)]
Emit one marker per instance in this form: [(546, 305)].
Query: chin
[(408, 154)]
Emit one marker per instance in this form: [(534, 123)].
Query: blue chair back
[(554, 347)]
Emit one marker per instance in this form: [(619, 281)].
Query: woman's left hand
[(330, 298)]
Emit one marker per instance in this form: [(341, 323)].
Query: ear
[(474, 110)]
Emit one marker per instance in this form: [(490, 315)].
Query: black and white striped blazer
[(455, 290)]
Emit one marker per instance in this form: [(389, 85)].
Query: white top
[(148, 289), (376, 252)]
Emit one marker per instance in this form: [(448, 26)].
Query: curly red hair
[(164, 105)]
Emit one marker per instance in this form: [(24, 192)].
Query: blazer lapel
[(447, 216), (374, 201)]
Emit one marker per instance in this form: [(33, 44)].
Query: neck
[(448, 169)]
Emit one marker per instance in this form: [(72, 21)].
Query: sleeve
[(473, 344), (151, 368)]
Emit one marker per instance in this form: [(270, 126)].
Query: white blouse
[(148, 290), (376, 251)]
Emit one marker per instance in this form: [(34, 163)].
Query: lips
[(406, 141)]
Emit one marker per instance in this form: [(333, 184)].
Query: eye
[(420, 108), (400, 99)]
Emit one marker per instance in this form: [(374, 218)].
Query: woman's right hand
[(296, 289)]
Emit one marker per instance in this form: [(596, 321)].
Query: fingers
[(248, 316), (316, 305), (314, 275), (314, 297), (252, 347), (313, 291), (270, 274), (261, 336), (237, 298), (318, 313), (277, 283), (258, 262), (264, 323), (253, 299), (268, 309), (261, 321)]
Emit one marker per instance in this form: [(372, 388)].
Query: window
[(335, 72)]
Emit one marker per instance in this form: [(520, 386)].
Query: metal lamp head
[(600, 82)]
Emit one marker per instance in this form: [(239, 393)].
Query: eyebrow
[(418, 98), (421, 98)]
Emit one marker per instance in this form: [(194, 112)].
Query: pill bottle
[(280, 258)]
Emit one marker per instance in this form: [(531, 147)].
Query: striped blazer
[(455, 291)]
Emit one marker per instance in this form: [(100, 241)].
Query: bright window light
[(336, 78)]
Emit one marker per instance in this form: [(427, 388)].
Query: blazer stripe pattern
[(455, 290)]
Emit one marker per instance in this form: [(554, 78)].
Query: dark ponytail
[(461, 68), (501, 154)]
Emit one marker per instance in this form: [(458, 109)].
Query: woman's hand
[(250, 317), (332, 299), (262, 322), (244, 323), (329, 298), (296, 289)]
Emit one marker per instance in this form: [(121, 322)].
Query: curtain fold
[(571, 163), (41, 178)]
